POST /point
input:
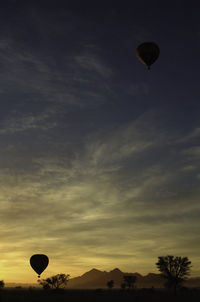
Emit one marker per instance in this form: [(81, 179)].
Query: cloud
[(41, 92), (139, 89), (90, 63), (119, 194), (19, 121), (193, 152), (37, 76), (83, 178)]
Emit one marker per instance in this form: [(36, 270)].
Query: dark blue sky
[(92, 143)]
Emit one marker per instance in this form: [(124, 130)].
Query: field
[(19, 295)]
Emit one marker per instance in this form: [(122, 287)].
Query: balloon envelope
[(148, 53), (39, 262)]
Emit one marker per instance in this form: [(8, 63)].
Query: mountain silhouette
[(98, 279), (95, 278)]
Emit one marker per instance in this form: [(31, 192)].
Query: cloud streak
[(110, 186), (99, 162)]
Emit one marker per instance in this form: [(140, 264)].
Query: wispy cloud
[(40, 90), (91, 63), (109, 186), (40, 76), (139, 89), (20, 121), (79, 181)]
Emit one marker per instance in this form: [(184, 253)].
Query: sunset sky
[(99, 157)]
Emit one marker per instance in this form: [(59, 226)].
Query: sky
[(99, 157)]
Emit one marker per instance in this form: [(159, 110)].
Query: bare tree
[(110, 284), (174, 269), (55, 282)]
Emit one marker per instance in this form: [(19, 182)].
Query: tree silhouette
[(174, 269), (2, 284), (55, 282), (123, 285), (110, 284), (129, 280)]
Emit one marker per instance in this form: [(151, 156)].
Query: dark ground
[(19, 295)]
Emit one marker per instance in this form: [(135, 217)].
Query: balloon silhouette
[(148, 53), (39, 262)]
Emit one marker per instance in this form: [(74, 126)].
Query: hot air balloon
[(148, 53), (39, 262)]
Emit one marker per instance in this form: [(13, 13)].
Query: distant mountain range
[(98, 279)]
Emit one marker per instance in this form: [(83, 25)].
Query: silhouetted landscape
[(98, 279), (172, 283), (92, 286), (95, 279)]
